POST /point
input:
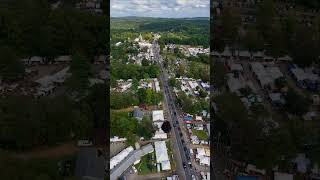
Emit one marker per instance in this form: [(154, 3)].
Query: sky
[(160, 8)]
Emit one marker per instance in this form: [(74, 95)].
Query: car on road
[(179, 128), (193, 177), (184, 165), (185, 148), (190, 165), (182, 141), (181, 134), (177, 122)]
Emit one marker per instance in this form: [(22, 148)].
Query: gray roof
[(137, 113), (89, 165), (118, 170)]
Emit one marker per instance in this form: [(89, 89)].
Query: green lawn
[(200, 134), (146, 165), (170, 152)]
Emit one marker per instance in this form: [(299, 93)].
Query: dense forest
[(27, 122), (32, 27), (189, 31)]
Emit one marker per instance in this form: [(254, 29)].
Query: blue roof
[(247, 178)]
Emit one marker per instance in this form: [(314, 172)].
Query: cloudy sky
[(160, 8)]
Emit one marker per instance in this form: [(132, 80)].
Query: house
[(162, 156), (258, 55), (235, 67), (90, 164), (226, 53), (203, 156), (63, 59), (282, 176), (244, 55), (115, 160), (276, 99), (268, 58), (123, 85), (138, 113), (215, 54), (284, 58), (158, 119), (36, 60), (116, 139), (253, 169), (129, 160)]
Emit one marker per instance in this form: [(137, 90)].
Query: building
[(157, 116), (90, 164), (116, 139), (123, 85), (130, 159), (158, 119), (138, 113), (162, 155), (203, 156), (282, 176), (115, 160), (63, 59)]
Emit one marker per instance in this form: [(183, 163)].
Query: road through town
[(181, 153)]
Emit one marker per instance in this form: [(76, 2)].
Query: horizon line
[(160, 17)]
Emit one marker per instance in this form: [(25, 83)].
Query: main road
[(181, 152)]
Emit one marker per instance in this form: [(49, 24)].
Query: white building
[(203, 156), (115, 160), (124, 85), (162, 156), (117, 139)]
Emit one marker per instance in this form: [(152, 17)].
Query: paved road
[(180, 154)]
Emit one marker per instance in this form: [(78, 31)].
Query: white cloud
[(160, 7)]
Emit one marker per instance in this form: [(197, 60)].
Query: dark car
[(181, 134), (177, 122), (182, 141), (184, 165)]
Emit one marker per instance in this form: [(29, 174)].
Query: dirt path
[(49, 152), (128, 109)]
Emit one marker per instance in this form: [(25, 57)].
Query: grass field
[(200, 134), (146, 165)]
